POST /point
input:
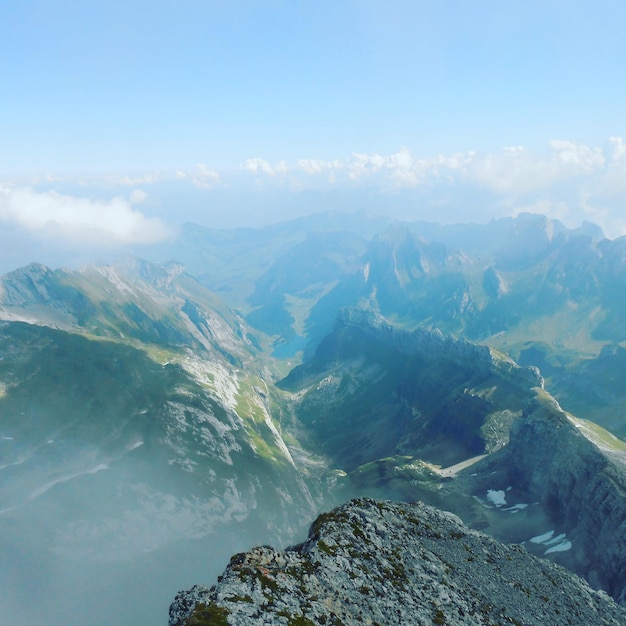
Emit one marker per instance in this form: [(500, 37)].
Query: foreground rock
[(373, 562)]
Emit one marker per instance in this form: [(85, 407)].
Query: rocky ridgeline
[(484, 361), (372, 562)]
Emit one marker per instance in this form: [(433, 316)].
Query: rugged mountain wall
[(373, 562), (484, 361), (581, 481), (373, 390)]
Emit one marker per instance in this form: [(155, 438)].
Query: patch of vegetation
[(208, 615), (357, 531), (440, 617), (238, 598), (596, 434), (267, 582), (306, 566), (325, 518), (545, 399), (324, 547)]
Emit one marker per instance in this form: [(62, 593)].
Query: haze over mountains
[(157, 416), (542, 293)]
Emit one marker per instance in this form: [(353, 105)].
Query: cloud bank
[(567, 180), (512, 170), (78, 219)]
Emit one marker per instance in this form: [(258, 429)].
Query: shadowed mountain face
[(373, 391)]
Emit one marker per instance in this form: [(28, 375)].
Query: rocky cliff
[(375, 562), (484, 360), (577, 471)]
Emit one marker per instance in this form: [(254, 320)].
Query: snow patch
[(561, 547), (558, 543), (19, 462), (3, 511), (496, 497), (542, 538), (516, 508), (555, 540)]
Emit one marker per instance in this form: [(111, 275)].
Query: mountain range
[(544, 294), (158, 415)]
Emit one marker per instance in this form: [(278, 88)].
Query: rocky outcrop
[(373, 562)]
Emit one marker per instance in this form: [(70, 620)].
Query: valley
[(157, 417)]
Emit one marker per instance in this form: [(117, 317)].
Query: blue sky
[(129, 117)]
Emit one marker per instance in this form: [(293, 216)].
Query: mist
[(41, 586), (84, 552)]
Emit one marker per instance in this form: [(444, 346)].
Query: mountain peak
[(378, 562)]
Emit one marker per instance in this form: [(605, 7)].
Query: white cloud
[(577, 156), (203, 176), (619, 150), (137, 196), (133, 181), (399, 167), (313, 167), (361, 165), (84, 220), (520, 171), (513, 170), (257, 166), (261, 166), (568, 180)]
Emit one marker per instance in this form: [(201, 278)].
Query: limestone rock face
[(374, 562), (578, 472)]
